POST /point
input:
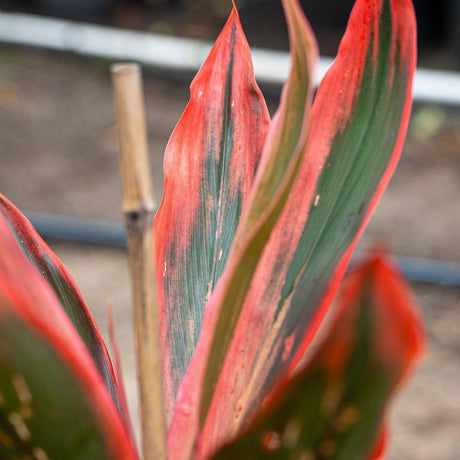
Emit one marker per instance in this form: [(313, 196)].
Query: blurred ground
[(58, 154)]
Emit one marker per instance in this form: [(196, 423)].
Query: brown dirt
[(58, 154)]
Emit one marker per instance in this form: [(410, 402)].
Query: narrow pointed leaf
[(210, 163), (276, 174), (358, 125), (68, 294), (278, 170), (334, 408), (53, 402)]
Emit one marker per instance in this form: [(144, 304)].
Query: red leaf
[(358, 125), (381, 446), (281, 159), (68, 294), (209, 166), (335, 404), (27, 296)]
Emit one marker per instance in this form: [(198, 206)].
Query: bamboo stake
[(138, 208)]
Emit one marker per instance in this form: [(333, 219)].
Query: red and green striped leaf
[(210, 163), (255, 331), (358, 125), (65, 289), (53, 401), (334, 408), (280, 163)]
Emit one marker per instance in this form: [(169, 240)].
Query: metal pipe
[(429, 271), (109, 233), (181, 54), (77, 229)]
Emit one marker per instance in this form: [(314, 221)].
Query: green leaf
[(334, 407), (275, 177), (272, 297), (358, 126), (53, 401), (281, 161), (45, 413), (58, 278), (210, 163)]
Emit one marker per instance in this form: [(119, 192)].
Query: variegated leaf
[(210, 163), (335, 406), (65, 289), (262, 322), (53, 401)]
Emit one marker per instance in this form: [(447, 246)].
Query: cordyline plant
[(257, 225)]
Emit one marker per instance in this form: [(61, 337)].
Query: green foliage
[(257, 225)]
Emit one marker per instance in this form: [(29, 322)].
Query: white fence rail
[(180, 54)]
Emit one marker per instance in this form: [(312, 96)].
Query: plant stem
[(138, 208)]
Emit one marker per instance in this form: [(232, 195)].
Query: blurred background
[(438, 20), (58, 153)]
